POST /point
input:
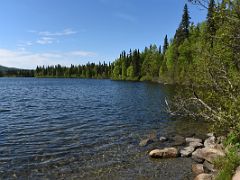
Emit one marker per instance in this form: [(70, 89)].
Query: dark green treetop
[(166, 44), (182, 32)]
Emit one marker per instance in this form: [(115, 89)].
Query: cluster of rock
[(205, 156), (202, 152)]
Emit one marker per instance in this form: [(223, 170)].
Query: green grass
[(227, 165)]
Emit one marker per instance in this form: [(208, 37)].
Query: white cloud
[(46, 37), (28, 43), (23, 58), (45, 40), (65, 32), (24, 44), (29, 60)]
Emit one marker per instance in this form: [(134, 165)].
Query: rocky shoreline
[(203, 152)]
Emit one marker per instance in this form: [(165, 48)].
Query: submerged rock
[(164, 153), (163, 139), (208, 154), (152, 137), (204, 177), (178, 140), (145, 142), (197, 169)]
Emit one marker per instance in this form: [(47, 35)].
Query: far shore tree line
[(90, 70), (17, 73), (203, 58)]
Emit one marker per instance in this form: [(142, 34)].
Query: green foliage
[(233, 139), (151, 62), (135, 65), (185, 52), (130, 72), (227, 165), (163, 68), (154, 63), (122, 64), (85, 71), (124, 70), (116, 71), (170, 57)]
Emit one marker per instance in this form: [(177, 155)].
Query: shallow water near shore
[(86, 129)]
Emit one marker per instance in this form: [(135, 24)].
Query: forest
[(204, 59), (90, 70)]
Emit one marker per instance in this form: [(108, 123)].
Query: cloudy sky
[(50, 32)]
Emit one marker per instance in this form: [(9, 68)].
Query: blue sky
[(49, 32)]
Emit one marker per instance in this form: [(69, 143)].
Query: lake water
[(85, 129)]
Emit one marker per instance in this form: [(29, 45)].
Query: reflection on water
[(84, 129)]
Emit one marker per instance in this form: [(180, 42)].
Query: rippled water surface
[(84, 129)]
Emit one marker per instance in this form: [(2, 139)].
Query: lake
[(85, 129)]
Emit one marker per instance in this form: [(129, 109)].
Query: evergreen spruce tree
[(166, 44), (211, 26), (182, 32), (160, 49), (136, 63)]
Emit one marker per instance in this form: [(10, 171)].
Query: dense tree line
[(170, 63), (17, 73), (167, 63), (136, 65), (90, 70), (180, 56)]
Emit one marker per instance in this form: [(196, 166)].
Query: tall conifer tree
[(165, 46), (182, 32), (211, 26)]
